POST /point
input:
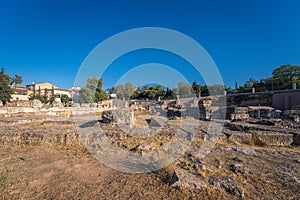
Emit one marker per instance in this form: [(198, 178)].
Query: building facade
[(44, 88)]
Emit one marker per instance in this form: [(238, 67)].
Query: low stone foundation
[(120, 117)]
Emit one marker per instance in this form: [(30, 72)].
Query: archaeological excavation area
[(181, 149)]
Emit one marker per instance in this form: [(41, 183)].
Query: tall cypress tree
[(100, 94)]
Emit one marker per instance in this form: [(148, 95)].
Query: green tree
[(197, 88), (285, 75), (100, 94), (217, 89), (39, 91), (64, 98), (251, 83), (205, 91), (92, 91), (52, 96), (5, 89), (184, 89), (152, 92), (126, 90), (169, 94), (16, 80), (87, 93)]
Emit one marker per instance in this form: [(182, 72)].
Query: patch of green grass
[(3, 180), (186, 165)]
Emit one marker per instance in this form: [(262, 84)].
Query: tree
[(87, 93), (52, 97), (205, 91), (126, 90), (285, 75), (100, 94), (16, 80), (197, 88), (169, 94), (236, 86), (39, 91), (5, 89), (92, 91), (216, 89), (184, 89), (152, 92), (247, 87), (64, 98)]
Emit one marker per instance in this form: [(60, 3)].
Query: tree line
[(282, 78)]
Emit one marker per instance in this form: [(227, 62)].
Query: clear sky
[(47, 40)]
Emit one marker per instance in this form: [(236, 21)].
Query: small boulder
[(185, 179), (35, 103)]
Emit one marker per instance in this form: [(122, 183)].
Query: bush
[(64, 98)]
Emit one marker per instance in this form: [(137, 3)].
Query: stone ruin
[(175, 109), (120, 117), (205, 108), (237, 113)]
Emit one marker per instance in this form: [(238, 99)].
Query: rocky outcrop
[(185, 179)]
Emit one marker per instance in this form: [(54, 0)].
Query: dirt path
[(54, 173)]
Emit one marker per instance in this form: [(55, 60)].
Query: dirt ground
[(62, 173)]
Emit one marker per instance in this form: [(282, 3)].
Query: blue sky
[(44, 40)]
